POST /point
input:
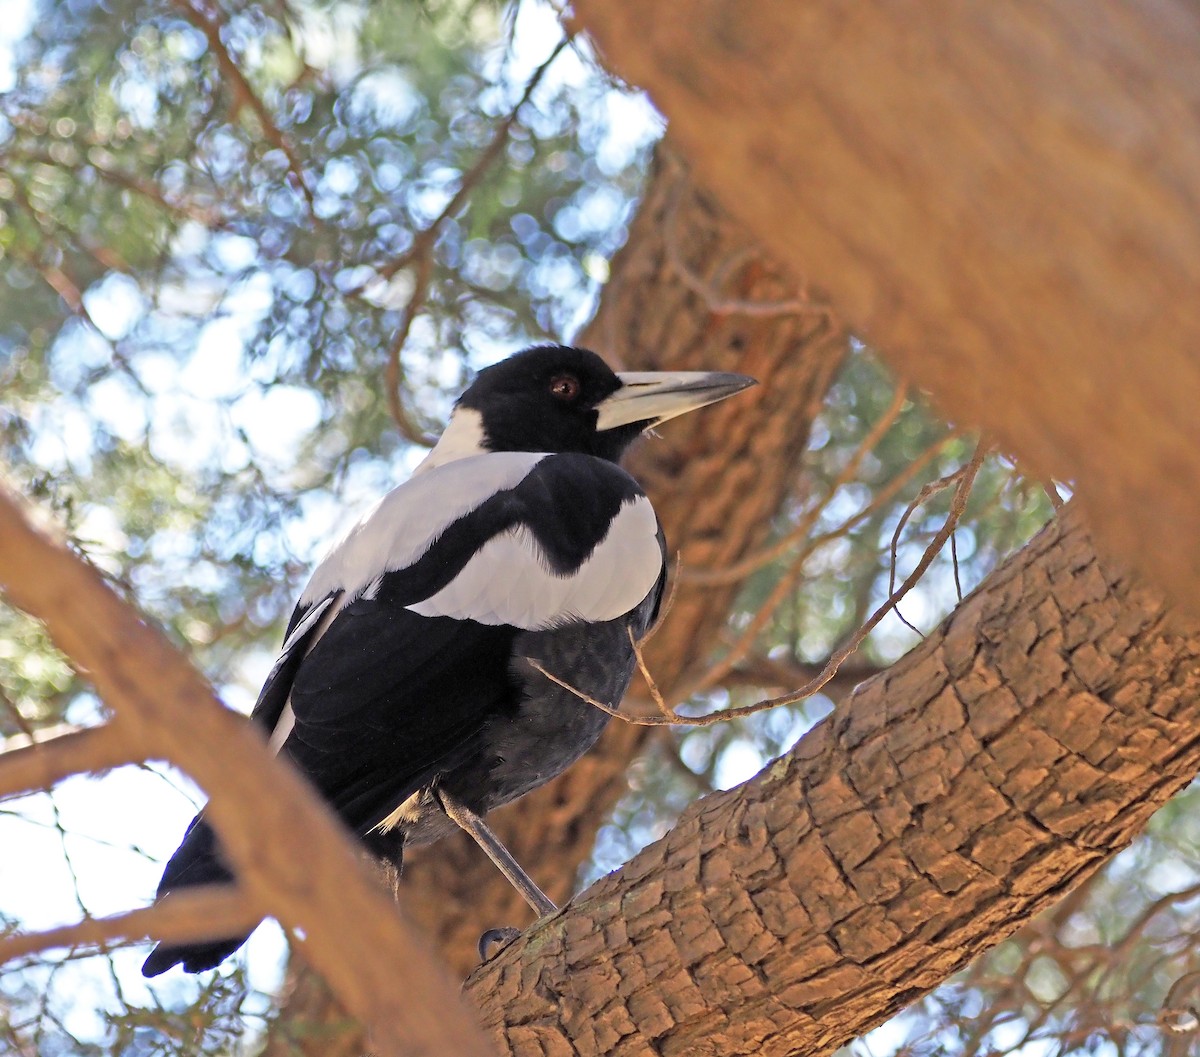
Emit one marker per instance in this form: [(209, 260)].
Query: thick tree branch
[(943, 804), (1002, 204), (263, 810)]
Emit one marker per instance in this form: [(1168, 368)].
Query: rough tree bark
[(998, 197), (948, 800), (677, 300)]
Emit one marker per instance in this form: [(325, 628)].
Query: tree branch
[(182, 917), (943, 804), (48, 760), (973, 194), (209, 21), (371, 957)]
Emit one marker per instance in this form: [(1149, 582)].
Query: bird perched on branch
[(407, 689)]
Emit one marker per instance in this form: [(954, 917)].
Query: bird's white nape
[(463, 438)]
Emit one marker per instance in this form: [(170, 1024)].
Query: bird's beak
[(655, 396)]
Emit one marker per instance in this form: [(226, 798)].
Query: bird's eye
[(565, 386)]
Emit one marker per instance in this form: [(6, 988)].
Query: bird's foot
[(497, 939)]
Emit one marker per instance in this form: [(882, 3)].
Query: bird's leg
[(482, 834)]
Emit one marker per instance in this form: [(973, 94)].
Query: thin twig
[(420, 256), (393, 370), (424, 239), (966, 477), (751, 563), (586, 698), (651, 685), (927, 492)]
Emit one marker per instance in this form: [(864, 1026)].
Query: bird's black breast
[(545, 727)]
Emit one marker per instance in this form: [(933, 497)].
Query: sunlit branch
[(182, 917), (45, 762)]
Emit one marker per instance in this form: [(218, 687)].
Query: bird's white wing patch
[(509, 581), (405, 522)]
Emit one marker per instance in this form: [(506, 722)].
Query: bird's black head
[(545, 399), (556, 398)]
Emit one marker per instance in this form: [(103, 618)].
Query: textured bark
[(717, 478), (999, 197), (948, 800)]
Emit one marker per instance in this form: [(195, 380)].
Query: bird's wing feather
[(303, 630), (580, 542), (387, 698), (405, 523)]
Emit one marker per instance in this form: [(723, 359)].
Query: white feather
[(287, 720), (527, 593), (464, 437), (405, 522)]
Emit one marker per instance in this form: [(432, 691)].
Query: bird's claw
[(501, 938)]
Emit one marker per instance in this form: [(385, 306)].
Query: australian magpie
[(404, 688)]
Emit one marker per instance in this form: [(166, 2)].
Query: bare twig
[(751, 563), (424, 239), (393, 371), (651, 685), (927, 492), (587, 698), (772, 673), (419, 256), (965, 478)]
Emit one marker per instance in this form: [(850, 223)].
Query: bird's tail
[(197, 862)]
